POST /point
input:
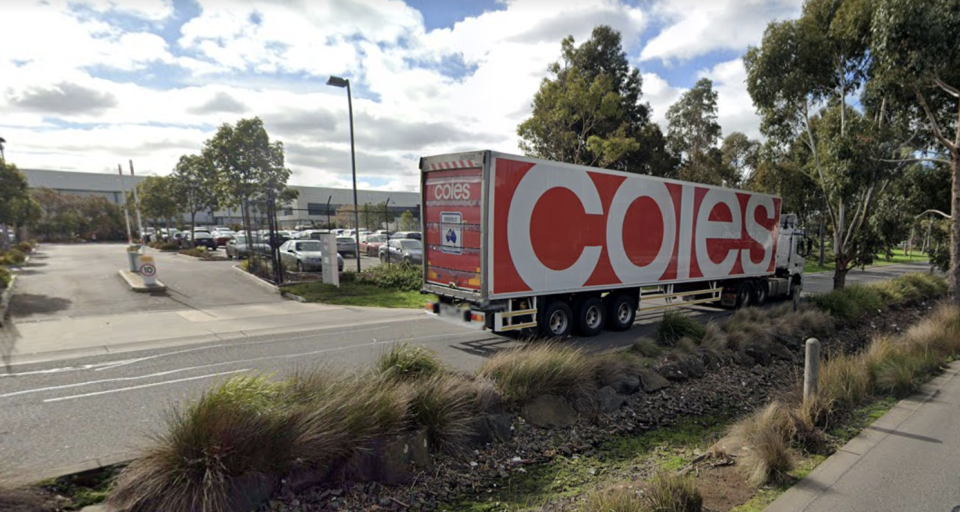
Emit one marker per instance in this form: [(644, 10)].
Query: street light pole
[(343, 82)]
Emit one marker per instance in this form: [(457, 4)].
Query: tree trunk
[(840, 273), (954, 275), (193, 229)]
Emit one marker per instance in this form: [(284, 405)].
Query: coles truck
[(519, 243)]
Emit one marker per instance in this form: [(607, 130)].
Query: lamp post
[(3, 158), (336, 81)]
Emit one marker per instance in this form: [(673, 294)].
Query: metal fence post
[(811, 368)]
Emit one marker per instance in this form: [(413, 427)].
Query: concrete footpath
[(907, 460)]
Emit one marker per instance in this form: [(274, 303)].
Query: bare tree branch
[(913, 160), (938, 212), (952, 91), (933, 122)]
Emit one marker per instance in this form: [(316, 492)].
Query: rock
[(765, 353), (743, 359), (491, 428), (609, 401), (392, 460), (682, 369), (626, 384), (651, 381), (549, 411), (501, 426)]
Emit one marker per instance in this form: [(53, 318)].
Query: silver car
[(347, 245), (305, 255)]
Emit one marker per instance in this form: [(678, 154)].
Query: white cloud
[(735, 108), (697, 27), (239, 55)]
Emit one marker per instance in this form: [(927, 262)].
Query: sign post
[(331, 270)]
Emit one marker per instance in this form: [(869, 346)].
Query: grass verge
[(358, 293), (880, 261)]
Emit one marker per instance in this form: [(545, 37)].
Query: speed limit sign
[(148, 270)]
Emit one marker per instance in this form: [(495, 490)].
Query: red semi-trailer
[(515, 243)]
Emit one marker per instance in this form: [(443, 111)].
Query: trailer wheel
[(745, 295), (761, 294), (621, 312), (590, 316), (556, 320)]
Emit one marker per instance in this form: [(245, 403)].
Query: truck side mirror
[(807, 247)]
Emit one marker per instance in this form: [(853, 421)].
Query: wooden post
[(811, 368)]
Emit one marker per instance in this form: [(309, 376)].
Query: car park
[(201, 239), (237, 247), (305, 255), (346, 245), (413, 235), (405, 250)]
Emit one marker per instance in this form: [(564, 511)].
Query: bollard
[(133, 253), (811, 369), (148, 270)]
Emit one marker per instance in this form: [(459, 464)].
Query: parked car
[(346, 245), (200, 239), (223, 236), (312, 234), (237, 247), (305, 255), (406, 250), (413, 235), (370, 244)]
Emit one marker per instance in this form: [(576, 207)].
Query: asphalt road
[(68, 415)]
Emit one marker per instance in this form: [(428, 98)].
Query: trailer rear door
[(452, 189)]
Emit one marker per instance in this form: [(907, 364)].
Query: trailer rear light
[(477, 317), (433, 307)]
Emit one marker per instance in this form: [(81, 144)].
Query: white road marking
[(142, 386)]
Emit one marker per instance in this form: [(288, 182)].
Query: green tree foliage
[(196, 186), (589, 112), (693, 134), (916, 76), (741, 155), (158, 199), (821, 58), (65, 217), (408, 222), (17, 207)]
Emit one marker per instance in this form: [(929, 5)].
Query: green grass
[(675, 325), (85, 489), (813, 261), (358, 294)]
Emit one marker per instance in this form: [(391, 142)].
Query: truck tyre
[(761, 294), (590, 316), (745, 295), (556, 320), (621, 312)]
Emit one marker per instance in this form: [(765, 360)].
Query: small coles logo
[(451, 191)]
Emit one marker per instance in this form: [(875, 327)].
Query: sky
[(89, 84)]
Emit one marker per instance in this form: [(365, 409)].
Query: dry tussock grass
[(544, 368), (767, 457)]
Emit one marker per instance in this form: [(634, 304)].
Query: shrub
[(899, 375), (849, 303), (348, 276), (670, 492), (5, 277), (404, 361), (443, 404), (231, 431), (545, 368), (615, 499), (647, 347), (927, 285), (33, 243), (401, 276), (168, 246), (196, 252), (768, 458), (844, 380), (676, 325), (12, 257), (25, 247)]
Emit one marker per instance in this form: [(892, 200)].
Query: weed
[(539, 369), (647, 347), (669, 492), (405, 361), (231, 431), (5, 277), (443, 405), (844, 380), (764, 434), (675, 325)]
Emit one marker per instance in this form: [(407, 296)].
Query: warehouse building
[(314, 205)]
